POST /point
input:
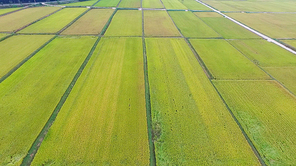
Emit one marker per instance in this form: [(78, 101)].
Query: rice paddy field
[(148, 82)]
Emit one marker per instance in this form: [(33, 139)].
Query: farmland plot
[(266, 111), (227, 28), (159, 23), (285, 75), (152, 4), (193, 5), (85, 3), (107, 3), (225, 62), (30, 94), (264, 53), (192, 26), (7, 10), (270, 24), (103, 121), (17, 20), (130, 4), (126, 23), (173, 4), (91, 23), (55, 22), (290, 42), (16, 48), (221, 6), (191, 125)]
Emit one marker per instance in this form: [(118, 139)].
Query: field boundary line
[(147, 97), (38, 141), (200, 61), (248, 28), (108, 23), (25, 60), (210, 79), (26, 7), (118, 4), (5, 37), (73, 21), (15, 31)]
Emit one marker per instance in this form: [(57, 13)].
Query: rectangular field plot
[(17, 48), (55, 22), (225, 27), (192, 26), (285, 75), (274, 25), (190, 121), (85, 3), (152, 4), (103, 121), (126, 23), (266, 111), (264, 53), (7, 10), (107, 3), (17, 20), (225, 62), (91, 23), (29, 96), (130, 4), (193, 5), (159, 23), (173, 4)]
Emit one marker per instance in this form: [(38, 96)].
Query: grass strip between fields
[(147, 96), (35, 146)]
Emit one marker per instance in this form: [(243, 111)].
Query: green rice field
[(274, 25), (264, 108), (55, 22), (192, 26), (190, 121), (131, 26), (152, 4), (31, 93), (225, 62), (113, 112), (148, 83), (83, 3), (23, 46), (107, 3), (265, 54), (130, 3)]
